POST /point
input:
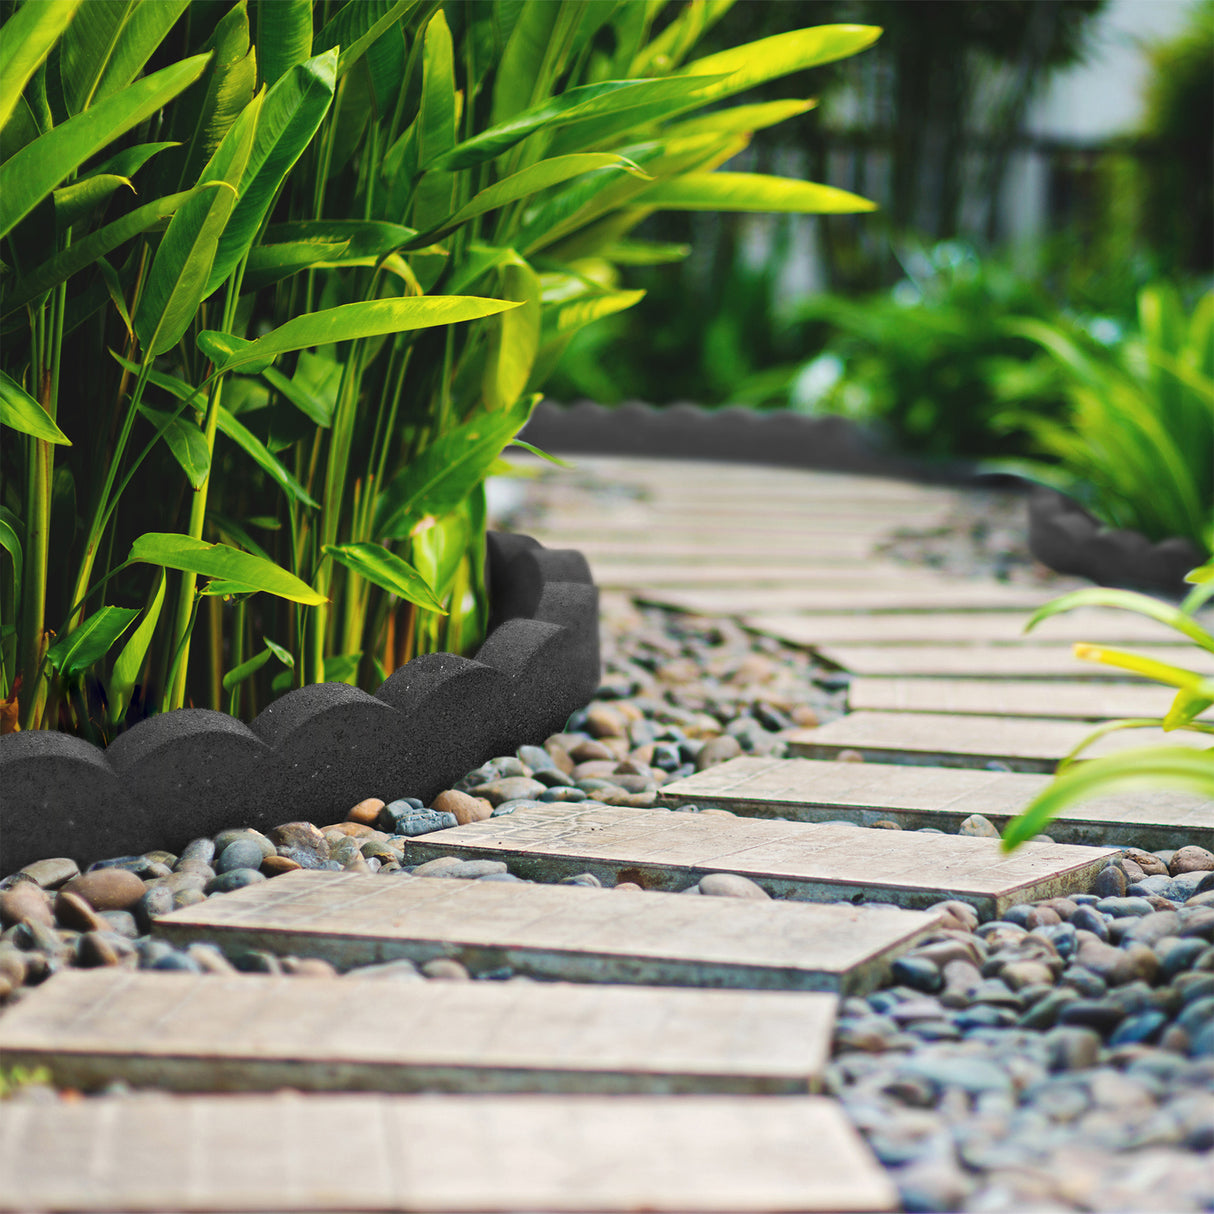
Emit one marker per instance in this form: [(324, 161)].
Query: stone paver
[(1094, 624), (815, 791), (696, 545), (438, 1154), (956, 740), (826, 862), (744, 599), (574, 933), (198, 1032), (958, 661), (1088, 701), (631, 574)]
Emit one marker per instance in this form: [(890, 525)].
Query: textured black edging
[(317, 750), (683, 431), (1067, 539)]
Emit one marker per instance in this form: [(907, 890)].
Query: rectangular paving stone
[(1090, 701), (1094, 624), (815, 862), (617, 574), (561, 932), (810, 790), (954, 740), (201, 1032), (742, 598), (1049, 661), (698, 545), (438, 1154)]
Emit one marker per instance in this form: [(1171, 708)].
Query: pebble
[(51, 874), (107, 888), (25, 901), (463, 807)]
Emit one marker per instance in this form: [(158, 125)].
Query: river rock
[(732, 885), (108, 888), (50, 874), (26, 900), (463, 807)]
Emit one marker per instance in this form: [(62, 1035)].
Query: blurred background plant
[(283, 280)]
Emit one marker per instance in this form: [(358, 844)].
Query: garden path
[(657, 1092)]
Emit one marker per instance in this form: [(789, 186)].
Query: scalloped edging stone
[(317, 750), (734, 434), (1067, 539)]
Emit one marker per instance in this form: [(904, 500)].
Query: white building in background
[(1098, 99)]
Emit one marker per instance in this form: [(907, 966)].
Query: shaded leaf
[(185, 441), (252, 446), (76, 201), (73, 654), (130, 661), (20, 411), (284, 36), (358, 25)]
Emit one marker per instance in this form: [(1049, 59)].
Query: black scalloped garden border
[(316, 751), (1067, 539), (779, 438)]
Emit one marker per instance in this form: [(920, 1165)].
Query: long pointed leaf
[(284, 36), (1148, 767), (291, 114), (357, 25), (346, 322), (514, 339), (185, 441), (189, 555), (93, 248), (1161, 672), (386, 570), (75, 653), (25, 41), (129, 662), (177, 281), (1130, 600), (750, 192), (27, 177), (251, 445), (20, 411)]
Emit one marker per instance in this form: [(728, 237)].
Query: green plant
[(1137, 443), (1150, 767), (13, 1079), (258, 401), (930, 363)]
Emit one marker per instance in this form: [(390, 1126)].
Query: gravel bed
[(1061, 1058)]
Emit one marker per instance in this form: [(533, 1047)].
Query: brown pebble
[(718, 750), (732, 885), (1042, 916), (97, 949), (13, 964), (886, 824), (51, 874), (559, 755), (587, 752), (25, 900), (630, 886), (958, 915), (1019, 974), (445, 969), (298, 834), (595, 769), (275, 866), (352, 830), (308, 967), (1150, 863), (1191, 859), (366, 811), (108, 888), (73, 911), (849, 756), (605, 721), (804, 716), (466, 808)]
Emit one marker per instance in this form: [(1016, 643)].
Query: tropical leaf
[(291, 114), (10, 541), (107, 45), (346, 322), (252, 446), (358, 25), (519, 70), (246, 669), (21, 412), (25, 42), (750, 192), (184, 553), (526, 182), (177, 282), (87, 252), (185, 441), (29, 175), (130, 661), (386, 570), (1149, 767), (1151, 668), (284, 36), (514, 337), (73, 654), (77, 201), (1130, 600), (435, 125), (448, 470), (128, 161), (741, 118)]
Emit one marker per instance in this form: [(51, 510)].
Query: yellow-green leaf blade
[(1129, 600), (388, 571), (21, 412), (751, 192), (91, 641), (188, 555), (25, 41)]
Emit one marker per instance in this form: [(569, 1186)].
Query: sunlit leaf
[(514, 338), (189, 555), (1130, 600), (130, 661), (25, 41), (386, 570), (750, 192)]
